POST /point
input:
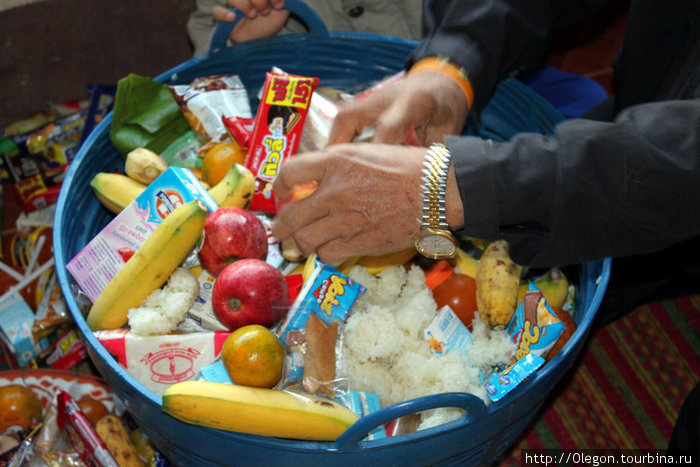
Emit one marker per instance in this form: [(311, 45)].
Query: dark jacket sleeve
[(490, 38), (591, 190)]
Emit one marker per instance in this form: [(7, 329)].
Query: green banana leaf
[(145, 114)]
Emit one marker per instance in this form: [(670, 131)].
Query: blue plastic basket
[(341, 60)]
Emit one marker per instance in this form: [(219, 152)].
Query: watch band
[(436, 165)]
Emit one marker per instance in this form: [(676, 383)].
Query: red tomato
[(459, 292)]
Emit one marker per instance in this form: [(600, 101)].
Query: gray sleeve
[(591, 190)]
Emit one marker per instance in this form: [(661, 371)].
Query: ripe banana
[(111, 430), (144, 165), (497, 282), (114, 190), (466, 263), (257, 411), (376, 264), (235, 189), (150, 267), (554, 287)]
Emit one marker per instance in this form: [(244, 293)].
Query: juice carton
[(100, 260)]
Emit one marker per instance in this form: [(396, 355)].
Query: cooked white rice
[(386, 353)]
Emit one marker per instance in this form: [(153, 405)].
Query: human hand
[(263, 18), (368, 200), (429, 103)]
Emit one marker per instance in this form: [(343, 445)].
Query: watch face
[(436, 246)]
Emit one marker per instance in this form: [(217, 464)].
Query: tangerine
[(19, 407), (253, 356), (219, 159), (93, 409)]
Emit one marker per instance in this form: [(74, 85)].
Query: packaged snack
[(81, 433), (311, 330), (446, 333), (207, 99), (278, 126), (160, 361), (534, 327), (101, 103), (183, 151), (500, 383), (240, 129)]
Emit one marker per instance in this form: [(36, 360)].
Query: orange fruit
[(93, 409), (19, 407), (253, 356), (218, 160)]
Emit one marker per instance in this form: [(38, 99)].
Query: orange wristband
[(446, 68)]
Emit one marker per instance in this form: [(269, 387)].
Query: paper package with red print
[(279, 122)]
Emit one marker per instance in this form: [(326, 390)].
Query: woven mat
[(628, 385)]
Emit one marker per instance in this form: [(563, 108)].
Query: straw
[(11, 272), (28, 279), (35, 255)]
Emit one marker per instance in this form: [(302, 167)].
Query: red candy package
[(278, 126), (82, 435)]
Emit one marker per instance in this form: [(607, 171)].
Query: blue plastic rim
[(340, 60)]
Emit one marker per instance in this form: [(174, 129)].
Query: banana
[(111, 430), (114, 190), (257, 411), (150, 267), (554, 287), (466, 263), (144, 165), (235, 189), (376, 264), (497, 283)]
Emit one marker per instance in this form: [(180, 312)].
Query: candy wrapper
[(535, 328), (207, 99), (160, 361), (311, 330), (277, 133), (82, 435)]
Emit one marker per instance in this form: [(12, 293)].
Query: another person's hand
[(429, 103), (368, 200), (263, 18)]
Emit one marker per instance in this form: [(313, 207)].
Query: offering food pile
[(191, 293)]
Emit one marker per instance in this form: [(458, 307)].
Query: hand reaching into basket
[(419, 109), (368, 200), (263, 18)]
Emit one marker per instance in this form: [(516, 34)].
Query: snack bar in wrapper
[(277, 132)]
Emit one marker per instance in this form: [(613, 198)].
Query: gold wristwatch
[(434, 238)]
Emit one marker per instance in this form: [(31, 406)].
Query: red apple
[(231, 233), (249, 291)]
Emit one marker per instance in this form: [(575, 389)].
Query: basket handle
[(474, 407), (306, 14)]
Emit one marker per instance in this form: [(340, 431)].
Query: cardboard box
[(104, 256)]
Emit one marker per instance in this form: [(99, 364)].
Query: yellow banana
[(257, 411), (466, 263), (554, 287), (235, 189), (144, 165), (497, 282), (114, 190), (376, 264), (150, 267)]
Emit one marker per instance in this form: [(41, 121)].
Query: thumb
[(299, 176)]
